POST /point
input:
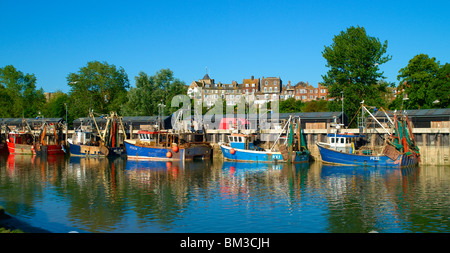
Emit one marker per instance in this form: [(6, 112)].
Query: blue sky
[(234, 39)]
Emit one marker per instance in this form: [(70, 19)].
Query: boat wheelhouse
[(344, 142)]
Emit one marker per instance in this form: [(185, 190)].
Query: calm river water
[(62, 194)]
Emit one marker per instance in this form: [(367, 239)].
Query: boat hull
[(160, 153), (85, 150), (25, 149), (50, 150), (335, 157), (244, 155)]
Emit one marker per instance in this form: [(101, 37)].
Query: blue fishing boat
[(85, 142), (162, 145), (399, 149), (244, 148)]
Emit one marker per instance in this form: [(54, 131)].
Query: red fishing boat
[(20, 142), (47, 143)]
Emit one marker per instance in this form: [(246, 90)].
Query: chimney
[(253, 77)]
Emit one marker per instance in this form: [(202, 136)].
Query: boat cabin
[(83, 137), (148, 136), (342, 141), (242, 141), (20, 138)]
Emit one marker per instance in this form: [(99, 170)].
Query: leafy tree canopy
[(18, 94), (150, 91), (353, 60), (425, 83), (99, 86)]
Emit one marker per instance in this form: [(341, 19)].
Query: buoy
[(175, 148), (232, 151), (168, 154)]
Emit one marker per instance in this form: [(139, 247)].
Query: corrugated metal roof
[(442, 112), (18, 121), (132, 119)]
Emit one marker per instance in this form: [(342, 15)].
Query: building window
[(267, 83), (270, 89), (276, 89), (253, 85), (246, 85), (274, 82), (265, 89), (316, 90), (322, 91)]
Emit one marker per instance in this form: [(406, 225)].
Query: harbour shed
[(316, 120), (34, 123), (424, 118), (134, 122)]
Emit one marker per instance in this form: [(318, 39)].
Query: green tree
[(316, 106), (290, 105), (150, 91), (18, 93), (55, 107), (99, 86), (440, 88), (424, 82), (353, 60)]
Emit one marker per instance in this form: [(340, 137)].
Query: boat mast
[(387, 131), (95, 122), (282, 131)]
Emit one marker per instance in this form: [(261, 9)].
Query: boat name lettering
[(374, 158)]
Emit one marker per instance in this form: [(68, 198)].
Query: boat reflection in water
[(152, 165), (245, 181), (334, 170), (244, 167)]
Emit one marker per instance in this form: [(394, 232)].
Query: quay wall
[(434, 143)]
